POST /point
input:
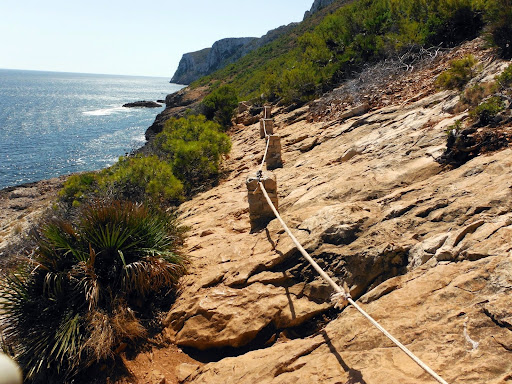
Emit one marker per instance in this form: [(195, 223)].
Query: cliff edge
[(195, 65)]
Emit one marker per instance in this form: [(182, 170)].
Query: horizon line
[(80, 73)]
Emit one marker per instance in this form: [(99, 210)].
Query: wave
[(106, 111)]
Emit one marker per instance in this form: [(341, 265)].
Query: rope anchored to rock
[(341, 296)]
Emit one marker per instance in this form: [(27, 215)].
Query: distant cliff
[(318, 5), (194, 65)]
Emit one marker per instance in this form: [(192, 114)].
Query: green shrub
[(141, 177), (92, 278), (77, 186), (454, 24), (454, 128), (499, 15), (323, 51), (458, 75), (220, 105), (504, 80), (194, 146), (487, 110)]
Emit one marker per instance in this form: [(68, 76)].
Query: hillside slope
[(425, 249)]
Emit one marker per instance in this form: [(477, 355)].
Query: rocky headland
[(194, 65)]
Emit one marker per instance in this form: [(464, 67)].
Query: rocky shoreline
[(21, 207)]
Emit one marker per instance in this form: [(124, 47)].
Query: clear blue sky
[(125, 36)]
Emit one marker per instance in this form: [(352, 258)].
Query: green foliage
[(504, 80), (220, 105), (189, 152), (77, 186), (458, 75), (318, 54), (194, 146), (78, 305), (487, 110), (455, 21), (141, 177), (499, 14)]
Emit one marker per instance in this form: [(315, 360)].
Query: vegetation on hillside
[(108, 256), (301, 65), (188, 153), (488, 107), (458, 74), (220, 104), (79, 300)]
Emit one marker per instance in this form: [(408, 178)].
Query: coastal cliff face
[(195, 65), (425, 249), (318, 5)]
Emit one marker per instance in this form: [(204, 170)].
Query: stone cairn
[(260, 212)]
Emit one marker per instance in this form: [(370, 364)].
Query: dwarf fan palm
[(77, 301)]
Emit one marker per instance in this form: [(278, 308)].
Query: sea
[(54, 123)]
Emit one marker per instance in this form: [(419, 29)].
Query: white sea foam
[(106, 111)]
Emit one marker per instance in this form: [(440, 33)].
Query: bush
[(138, 178), (319, 53), (487, 110), (194, 146), (454, 25), (220, 105), (77, 187), (500, 18), (458, 75), (504, 80), (91, 280)]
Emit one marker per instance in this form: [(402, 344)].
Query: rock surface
[(317, 5), (425, 249)]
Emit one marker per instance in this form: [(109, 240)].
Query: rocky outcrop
[(191, 67), (176, 105), (142, 104), (21, 209), (419, 245), (195, 65), (317, 6)]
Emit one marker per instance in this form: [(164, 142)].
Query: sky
[(127, 37)]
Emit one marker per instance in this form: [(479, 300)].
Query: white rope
[(266, 149), (341, 293)]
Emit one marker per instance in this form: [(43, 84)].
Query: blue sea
[(53, 123)]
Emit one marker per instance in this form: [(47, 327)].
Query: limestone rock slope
[(425, 249)]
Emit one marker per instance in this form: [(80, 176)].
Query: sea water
[(53, 123)]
